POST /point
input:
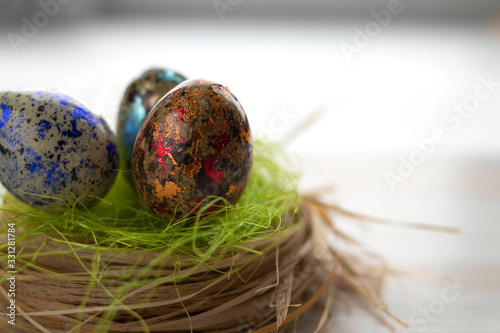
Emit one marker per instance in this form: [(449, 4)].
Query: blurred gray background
[(276, 8), (408, 76)]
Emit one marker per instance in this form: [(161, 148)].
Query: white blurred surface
[(458, 192), (393, 93)]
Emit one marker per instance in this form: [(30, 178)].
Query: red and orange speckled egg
[(195, 143)]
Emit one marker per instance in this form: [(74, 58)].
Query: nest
[(264, 287), (257, 267)]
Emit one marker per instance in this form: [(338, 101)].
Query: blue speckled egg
[(53, 150), (139, 98)]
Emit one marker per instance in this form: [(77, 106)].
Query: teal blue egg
[(139, 98)]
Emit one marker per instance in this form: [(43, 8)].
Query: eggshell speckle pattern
[(195, 143), (52, 145), (139, 98)]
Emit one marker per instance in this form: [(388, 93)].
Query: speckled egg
[(195, 143), (139, 98), (53, 150)]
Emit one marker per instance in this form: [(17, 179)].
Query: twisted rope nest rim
[(299, 270)]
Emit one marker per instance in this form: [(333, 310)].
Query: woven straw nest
[(241, 292)]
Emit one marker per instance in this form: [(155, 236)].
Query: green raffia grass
[(121, 220)]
